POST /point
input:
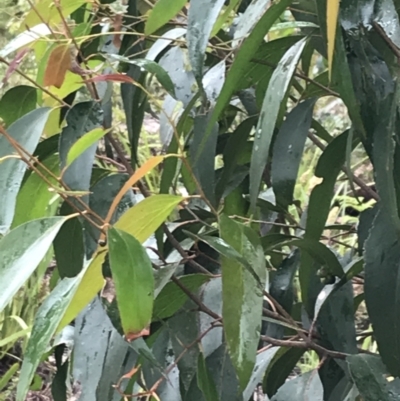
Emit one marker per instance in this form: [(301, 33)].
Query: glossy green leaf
[(382, 293), (172, 298), (205, 380), (162, 12), (328, 168), (26, 131), (22, 250), (17, 102), (152, 68), (368, 374), (143, 219), (84, 143), (202, 16), (204, 164), (46, 321), (304, 387), (280, 367), (69, 248), (81, 119), (241, 63), (134, 281), (45, 202), (276, 92), (288, 151), (242, 297)]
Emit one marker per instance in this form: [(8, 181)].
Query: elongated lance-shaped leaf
[(332, 15), (368, 374), (26, 131), (242, 298), (134, 282), (277, 88), (44, 327), (241, 63), (162, 12), (21, 252), (288, 150), (382, 290), (201, 18)]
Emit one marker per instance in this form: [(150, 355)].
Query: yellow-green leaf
[(134, 282), (332, 14), (163, 11)]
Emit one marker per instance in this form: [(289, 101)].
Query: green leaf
[(152, 68), (382, 293), (17, 102), (69, 248), (204, 164), (22, 250), (35, 187), (84, 143), (304, 387), (81, 119), (26, 131), (288, 151), (242, 297), (368, 374), (242, 61), (202, 16), (143, 219), (44, 327), (280, 367), (328, 168), (134, 281), (172, 298), (205, 381), (162, 12), (276, 92)]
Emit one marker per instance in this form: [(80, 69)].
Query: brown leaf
[(133, 336), (57, 66)]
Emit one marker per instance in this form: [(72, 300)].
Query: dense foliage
[(243, 253)]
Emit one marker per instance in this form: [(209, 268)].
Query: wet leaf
[(26, 131), (202, 16), (17, 102), (288, 151), (242, 297), (134, 282), (274, 96)]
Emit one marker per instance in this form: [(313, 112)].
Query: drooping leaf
[(242, 297), (46, 203), (57, 65), (201, 18), (17, 102), (134, 282), (26, 131), (275, 94), (288, 150), (382, 253), (22, 250), (204, 164), (46, 321), (368, 374), (332, 15), (162, 12), (81, 119), (306, 386), (205, 381), (241, 63)]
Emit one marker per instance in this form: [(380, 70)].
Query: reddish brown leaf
[(15, 63), (58, 65), (112, 77), (133, 336)]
